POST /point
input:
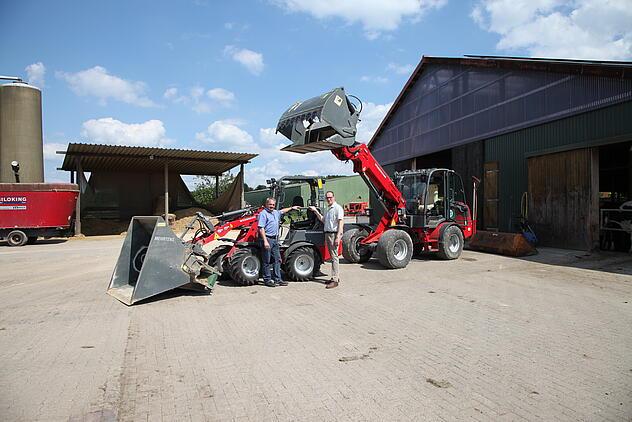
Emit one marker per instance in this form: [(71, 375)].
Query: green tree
[(204, 191)]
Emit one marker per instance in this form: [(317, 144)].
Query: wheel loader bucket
[(320, 123), (511, 244), (154, 260)]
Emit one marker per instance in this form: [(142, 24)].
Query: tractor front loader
[(422, 210)]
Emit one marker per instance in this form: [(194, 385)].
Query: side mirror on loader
[(321, 123)]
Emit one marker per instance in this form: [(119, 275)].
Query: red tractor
[(423, 210)]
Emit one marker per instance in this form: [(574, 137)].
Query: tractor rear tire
[(244, 266), (300, 264), (394, 249), (17, 238), (351, 250), (451, 243)]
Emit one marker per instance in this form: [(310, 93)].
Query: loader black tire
[(17, 238), (451, 243), (244, 266), (394, 249), (216, 259), (351, 250), (300, 264)]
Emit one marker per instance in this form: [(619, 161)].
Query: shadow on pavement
[(611, 262)]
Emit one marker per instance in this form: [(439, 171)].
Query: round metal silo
[(21, 132)]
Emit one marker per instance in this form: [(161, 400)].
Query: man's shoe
[(281, 283), (331, 285), (270, 284)]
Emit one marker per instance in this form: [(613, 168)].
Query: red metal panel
[(24, 208)]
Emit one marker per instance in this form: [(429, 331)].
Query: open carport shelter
[(127, 181), (551, 140)]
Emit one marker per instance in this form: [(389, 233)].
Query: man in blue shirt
[(269, 222)]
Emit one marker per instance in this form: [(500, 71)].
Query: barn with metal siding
[(558, 130)]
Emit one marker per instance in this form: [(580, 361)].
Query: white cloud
[(374, 79), (404, 69), (580, 29), (221, 95), (111, 131), (97, 82), (375, 16), (51, 148), (370, 118), (35, 73), (251, 60), (225, 135), (171, 93), (196, 98)]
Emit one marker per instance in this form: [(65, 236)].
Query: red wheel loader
[(422, 210)]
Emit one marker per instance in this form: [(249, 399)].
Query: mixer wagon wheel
[(17, 238)]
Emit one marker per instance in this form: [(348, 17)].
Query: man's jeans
[(271, 258), (330, 239)]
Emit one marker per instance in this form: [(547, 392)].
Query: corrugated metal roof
[(610, 69), (115, 157)]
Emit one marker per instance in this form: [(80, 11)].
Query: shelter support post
[(79, 172), (167, 191), (242, 203), (216, 187)]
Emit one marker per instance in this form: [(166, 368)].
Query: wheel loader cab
[(427, 192)]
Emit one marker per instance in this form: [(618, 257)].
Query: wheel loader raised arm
[(422, 210)]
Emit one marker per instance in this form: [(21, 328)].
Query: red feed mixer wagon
[(32, 210)]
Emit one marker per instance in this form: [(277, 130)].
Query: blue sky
[(217, 75)]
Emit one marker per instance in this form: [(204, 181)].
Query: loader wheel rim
[(250, 266), (400, 249), (303, 265), (454, 243)]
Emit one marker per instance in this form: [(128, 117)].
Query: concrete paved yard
[(481, 338)]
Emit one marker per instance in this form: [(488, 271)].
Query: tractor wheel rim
[(400, 249), (454, 243), (303, 265), (250, 266), (16, 238)]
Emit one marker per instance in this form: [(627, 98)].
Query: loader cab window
[(413, 188), (435, 197), (455, 188)]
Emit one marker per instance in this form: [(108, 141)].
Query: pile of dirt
[(100, 227), (183, 217)]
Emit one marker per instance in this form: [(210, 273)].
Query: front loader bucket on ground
[(320, 123), (511, 244), (153, 260)]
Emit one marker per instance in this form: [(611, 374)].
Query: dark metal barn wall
[(467, 161), (451, 105), (599, 127)]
